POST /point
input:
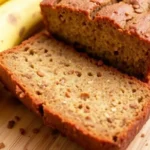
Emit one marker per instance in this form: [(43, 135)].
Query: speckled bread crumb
[(95, 105)]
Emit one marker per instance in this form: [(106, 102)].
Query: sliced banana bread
[(117, 31), (94, 105)]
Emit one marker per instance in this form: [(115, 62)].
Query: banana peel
[(18, 20)]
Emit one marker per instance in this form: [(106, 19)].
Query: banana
[(18, 20), (2, 1)]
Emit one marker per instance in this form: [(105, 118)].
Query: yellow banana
[(2, 1), (18, 19)]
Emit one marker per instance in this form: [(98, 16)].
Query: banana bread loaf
[(117, 31), (96, 106)]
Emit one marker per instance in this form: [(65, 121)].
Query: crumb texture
[(99, 99)]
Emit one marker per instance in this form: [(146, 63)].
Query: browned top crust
[(118, 13), (130, 16), (139, 5), (84, 6), (140, 25)]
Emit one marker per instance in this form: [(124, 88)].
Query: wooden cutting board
[(29, 133)]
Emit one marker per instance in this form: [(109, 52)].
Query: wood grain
[(45, 139)]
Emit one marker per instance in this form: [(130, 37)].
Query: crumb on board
[(22, 131), (142, 135), (55, 132), (17, 118), (36, 130), (11, 124), (2, 145), (146, 144)]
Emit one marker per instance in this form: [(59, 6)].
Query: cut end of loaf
[(116, 31)]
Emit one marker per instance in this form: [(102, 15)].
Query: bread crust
[(15, 86), (89, 142), (67, 127), (99, 16)]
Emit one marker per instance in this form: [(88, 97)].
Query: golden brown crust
[(19, 90), (15, 86), (134, 127), (76, 133), (115, 14), (122, 22)]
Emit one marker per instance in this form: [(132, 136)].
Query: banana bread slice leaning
[(94, 105), (113, 30)]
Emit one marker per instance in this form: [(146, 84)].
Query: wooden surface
[(45, 139)]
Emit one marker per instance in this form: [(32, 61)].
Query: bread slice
[(96, 106), (116, 31)]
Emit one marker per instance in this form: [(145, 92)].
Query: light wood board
[(45, 139)]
